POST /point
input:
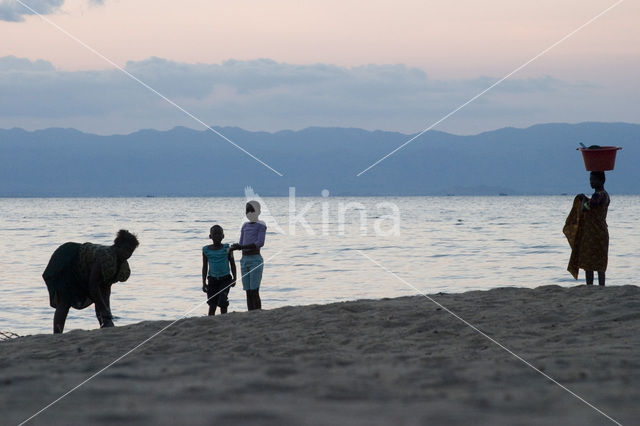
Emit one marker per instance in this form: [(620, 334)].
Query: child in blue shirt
[(218, 271)]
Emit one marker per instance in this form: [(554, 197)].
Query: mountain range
[(541, 159)]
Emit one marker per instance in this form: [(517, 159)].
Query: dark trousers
[(218, 292)]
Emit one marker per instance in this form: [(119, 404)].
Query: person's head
[(252, 209), (216, 233), (596, 179), (125, 244)]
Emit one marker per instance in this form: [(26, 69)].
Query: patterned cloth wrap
[(69, 270), (587, 232)]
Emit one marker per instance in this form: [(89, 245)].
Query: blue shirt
[(218, 260)]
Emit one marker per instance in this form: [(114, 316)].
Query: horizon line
[(315, 127)]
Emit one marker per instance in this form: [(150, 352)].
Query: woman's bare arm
[(98, 294)]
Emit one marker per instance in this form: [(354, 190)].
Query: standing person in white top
[(252, 238)]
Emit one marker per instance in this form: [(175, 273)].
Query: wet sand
[(398, 361)]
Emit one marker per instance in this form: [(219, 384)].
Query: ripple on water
[(441, 247)]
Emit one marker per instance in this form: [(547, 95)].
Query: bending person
[(81, 274)]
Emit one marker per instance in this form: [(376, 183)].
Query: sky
[(282, 64)]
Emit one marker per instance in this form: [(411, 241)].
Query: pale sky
[(441, 52)]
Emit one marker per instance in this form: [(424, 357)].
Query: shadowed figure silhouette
[(81, 274)]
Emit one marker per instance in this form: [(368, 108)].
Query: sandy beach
[(401, 361)]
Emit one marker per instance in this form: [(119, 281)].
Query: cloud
[(13, 11), (14, 64), (267, 95)]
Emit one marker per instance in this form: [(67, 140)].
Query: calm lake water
[(440, 244)]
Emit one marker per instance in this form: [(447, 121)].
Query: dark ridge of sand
[(394, 361)]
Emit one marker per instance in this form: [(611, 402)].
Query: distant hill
[(541, 159)]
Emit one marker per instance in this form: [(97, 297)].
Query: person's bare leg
[(59, 318), (601, 278), (212, 310), (223, 298), (257, 303), (589, 277), (249, 300)]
